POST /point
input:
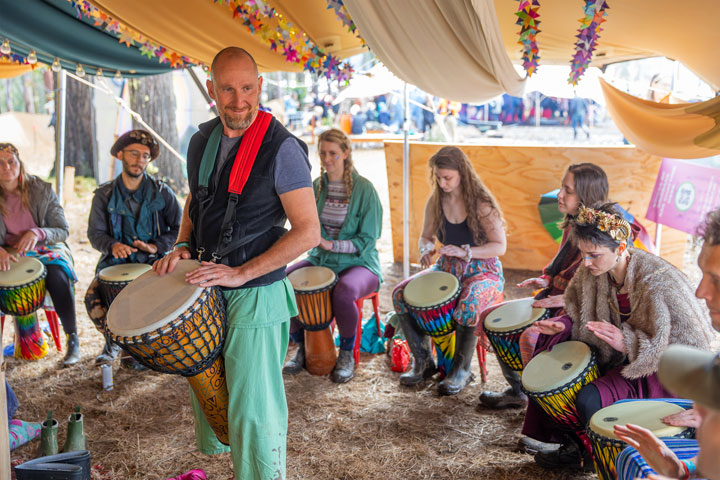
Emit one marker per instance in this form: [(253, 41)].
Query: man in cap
[(134, 219), (675, 458)]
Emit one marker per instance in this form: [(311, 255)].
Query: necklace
[(616, 310)]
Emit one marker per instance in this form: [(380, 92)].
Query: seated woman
[(33, 223), (628, 305), (582, 184), (351, 221), (464, 216)]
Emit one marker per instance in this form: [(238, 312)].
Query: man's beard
[(239, 122), (127, 171)]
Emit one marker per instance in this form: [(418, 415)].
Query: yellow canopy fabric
[(685, 31), (687, 130), (10, 70), (200, 28)]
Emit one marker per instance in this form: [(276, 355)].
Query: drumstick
[(4, 432)]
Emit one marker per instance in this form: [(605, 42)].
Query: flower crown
[(8, 147), (617, 227)]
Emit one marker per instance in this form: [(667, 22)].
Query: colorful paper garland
[(528, 19), (588, 34)]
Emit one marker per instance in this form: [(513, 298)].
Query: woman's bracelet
[(181, 244), (468, 252), (689, 469), (425, 249)]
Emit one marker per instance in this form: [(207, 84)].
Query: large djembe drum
[(171, 326), (430, 300), (313, 293)]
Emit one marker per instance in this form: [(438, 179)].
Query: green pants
[(255, 348)]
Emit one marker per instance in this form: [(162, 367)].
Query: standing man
[(134, 219), (247, 176)]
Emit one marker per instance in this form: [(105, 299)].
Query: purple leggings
[(353, 283)]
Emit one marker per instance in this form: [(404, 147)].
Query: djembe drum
[(22, 292), (116, 277), (645, 413), (171, 326), (313, 290), (553, 379), (504, 325), (430, 300)]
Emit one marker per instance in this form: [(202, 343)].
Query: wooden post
[(4, 433), (69, 184)]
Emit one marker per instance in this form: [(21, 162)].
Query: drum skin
[(22, 289), (116, 277)]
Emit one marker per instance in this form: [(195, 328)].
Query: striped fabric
[(630, 464), (333, 216)]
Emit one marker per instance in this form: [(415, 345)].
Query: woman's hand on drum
[(325, 244), (27, 242), (168, 262), (5, 259), (687, 418), (657, 455), (549, 326), (539, 282), (553, 301), (427, 259), (120, 250), (210, 274), (145, 247), (608, 333), (452, 251)]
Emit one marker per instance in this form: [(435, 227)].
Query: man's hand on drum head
[(216, 274), (120, 250), (5, 259), (553, 301), (539, 282), (27, 242), (549, 326), (168, 262)]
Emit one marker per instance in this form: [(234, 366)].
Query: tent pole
[(60, 133), (406, 183), (204, 92)]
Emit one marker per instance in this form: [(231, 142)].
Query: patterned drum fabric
[(22, 288), (431, 299), (553, 379), (504, 325), (172, 326), (645, 413)]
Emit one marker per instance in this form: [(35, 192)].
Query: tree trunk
[(79, 132), (153, 97)]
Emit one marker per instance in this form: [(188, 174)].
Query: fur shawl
[(664, 311)]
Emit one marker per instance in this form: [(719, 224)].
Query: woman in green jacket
[(351, 222)]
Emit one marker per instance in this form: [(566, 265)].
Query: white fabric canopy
[(450, 48), (378, 81), (551, 81)]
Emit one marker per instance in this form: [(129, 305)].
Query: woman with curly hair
[(351, 221), (463, 216)]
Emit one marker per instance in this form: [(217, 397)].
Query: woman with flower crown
[(626, 304)]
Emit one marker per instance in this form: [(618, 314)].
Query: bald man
[(243, 188)]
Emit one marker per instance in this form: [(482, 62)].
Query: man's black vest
[(259, 214)]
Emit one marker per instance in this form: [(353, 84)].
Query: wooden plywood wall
[(518, 176)]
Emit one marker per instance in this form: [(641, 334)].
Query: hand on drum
[(216, 274), (168, 262), (549, 326), (553, 301), (427, 259), (145, 247), (608, 333), (120, 250), (452, 251), (5, 259), (689, 418), (657, 455), (534, 282), (27, 242)]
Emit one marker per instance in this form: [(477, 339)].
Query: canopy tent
[(688, 130), (10, 69), (551, 81), (377, 81), (53, 29)]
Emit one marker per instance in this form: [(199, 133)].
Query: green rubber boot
[(75, 434), (48, 436)]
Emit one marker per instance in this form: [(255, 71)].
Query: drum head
[(125, 272), (151, 301), (646, 413), (26, 270), (307, 279), (513, 315), (433, 288), (553, 369)]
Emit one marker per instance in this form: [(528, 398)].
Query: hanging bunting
[(344, 16), (588, 34), (283, 36), (528, 15)]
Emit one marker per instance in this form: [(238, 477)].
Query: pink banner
[(684, 192)]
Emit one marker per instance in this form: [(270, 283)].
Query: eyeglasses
[(137, 155)]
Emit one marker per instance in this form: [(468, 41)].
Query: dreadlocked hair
[(22, 183), (339, 138), (474, 192)]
